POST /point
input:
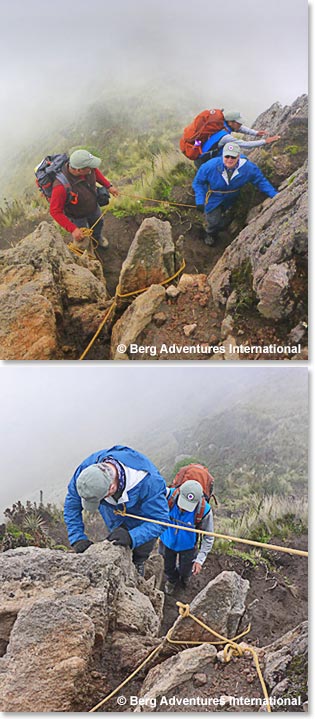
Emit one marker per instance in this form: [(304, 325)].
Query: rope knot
[(121, 511), (232, 650), (184, 609)]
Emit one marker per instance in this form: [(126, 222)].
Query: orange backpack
[(203, 126), (200, 474)]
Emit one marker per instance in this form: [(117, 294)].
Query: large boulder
[(273, 249), (174, 672), (58, 611), (220, 605), (49, 296), (152, 258), (137, 316)]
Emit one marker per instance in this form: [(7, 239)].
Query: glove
[(81, 545), (121, 537), (200, 208)]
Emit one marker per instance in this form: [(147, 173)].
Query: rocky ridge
[(73, 626)]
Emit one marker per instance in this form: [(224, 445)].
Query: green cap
[(190, 493), (80, 159), (231, 148), (93, 484), (233, 116)]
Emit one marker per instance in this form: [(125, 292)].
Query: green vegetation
[(292, 149), (291, 179), (242, 282), (31, 525)]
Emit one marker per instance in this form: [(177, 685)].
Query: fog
[(53, 416), (57, 57)]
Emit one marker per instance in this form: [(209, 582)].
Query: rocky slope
[(250, 291), (73, 626), (51, 299)]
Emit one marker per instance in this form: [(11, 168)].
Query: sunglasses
[(230, 157)]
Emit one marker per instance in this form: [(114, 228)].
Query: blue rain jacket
[(176, 539), (212, 176), (146, 498)]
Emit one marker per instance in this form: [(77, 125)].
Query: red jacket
[(58, 201)]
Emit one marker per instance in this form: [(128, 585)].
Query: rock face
[(174, 672), (285, 663), (221, 604), (273, 250), (280, 159), (47, 294), (57, 611), (152, 257), (134, 320)]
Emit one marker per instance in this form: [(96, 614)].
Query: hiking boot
[(103, 242), (184, 581), (169, 587), (209, 240)]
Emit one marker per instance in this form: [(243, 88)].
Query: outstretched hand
[(274, 138)]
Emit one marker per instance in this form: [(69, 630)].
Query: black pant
[(141, 553), (185, 562)]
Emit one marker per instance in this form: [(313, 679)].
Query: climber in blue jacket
[(179, 547), (113, 479), (218, 182)]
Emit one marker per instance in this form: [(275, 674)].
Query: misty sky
[(53, 416), (57, 56)]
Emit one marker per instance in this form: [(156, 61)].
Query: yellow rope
[(126, 680), (178, 204), (144, 289), (127, 294), (98, 331), (274, 547), (231, 649)]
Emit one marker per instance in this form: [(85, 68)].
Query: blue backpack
[(49, 170)]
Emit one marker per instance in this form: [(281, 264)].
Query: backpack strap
[(72, 197), (172, 498), (200, 512), (64, 181)]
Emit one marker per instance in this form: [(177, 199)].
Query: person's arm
[(73, 514), (102, 180), (250, 131), (73, 505), (206, 544), (200, 185), (56, 208), (248, 144), (260, 181), (242, 143)]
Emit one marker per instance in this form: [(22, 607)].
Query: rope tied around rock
[(230, 649), (119, 295)]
